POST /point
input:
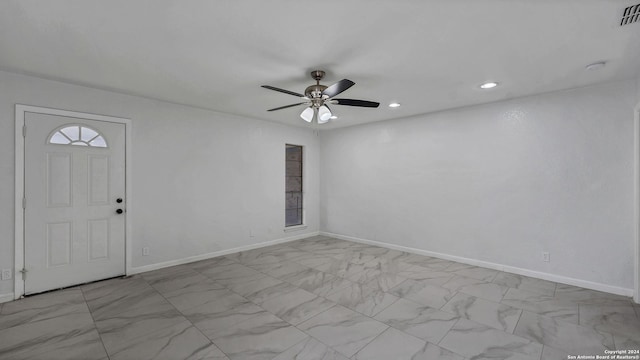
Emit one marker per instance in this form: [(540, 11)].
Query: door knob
[(119, 211), (119, 200)]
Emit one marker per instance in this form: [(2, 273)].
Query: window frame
[(303, 224), (79, 141)]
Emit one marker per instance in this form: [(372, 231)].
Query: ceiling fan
[(317, 98)]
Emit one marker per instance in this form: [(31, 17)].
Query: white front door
[(74, 191)]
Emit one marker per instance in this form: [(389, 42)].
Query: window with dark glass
[(293, 185)]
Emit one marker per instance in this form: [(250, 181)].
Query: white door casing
[(71, 231), (636, 200)]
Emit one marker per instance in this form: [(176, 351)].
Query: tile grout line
[(356, 311), (541, 352), (185, 317), (579, 317), (445, 335), (94, 322), (494, 276), (340, 289), (517, 322), (374, 338), (269, 312), (384, 308), (300, 342), (313, 337), (448, 331), (182, 314)]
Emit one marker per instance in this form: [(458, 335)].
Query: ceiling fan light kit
[(324, 114), (317, 98), (307, 114)]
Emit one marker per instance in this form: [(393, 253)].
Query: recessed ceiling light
[(394, 105), (488, 85), (596, 65)]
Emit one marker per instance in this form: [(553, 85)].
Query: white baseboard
[(156, 266), (511, 269), (6, 297)]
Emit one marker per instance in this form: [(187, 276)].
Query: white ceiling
[(427, 55)]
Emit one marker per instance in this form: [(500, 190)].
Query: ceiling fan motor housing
[(314, 93)]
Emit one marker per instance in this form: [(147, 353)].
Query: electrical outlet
[(145, 251), (545, 257), (251, 234), (6, 274)]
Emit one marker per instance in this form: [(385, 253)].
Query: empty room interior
[(271, 180)]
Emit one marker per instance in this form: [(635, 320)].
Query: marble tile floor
[(319, 299)]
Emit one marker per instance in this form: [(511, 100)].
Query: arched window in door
[(77, 135)]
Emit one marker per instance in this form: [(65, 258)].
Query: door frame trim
[(20, 113), (636, 202)]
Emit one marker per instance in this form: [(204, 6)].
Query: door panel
[(72, 231), (58, 179), (98, 239), (58, 244), (98, 180)]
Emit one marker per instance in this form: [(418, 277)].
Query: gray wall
[(498, 183), (202, 181)]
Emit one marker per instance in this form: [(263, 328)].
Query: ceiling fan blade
[(352, 102), (282, 90), (286, 106), (338, 87)]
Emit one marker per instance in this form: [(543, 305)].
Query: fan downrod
[(314, 92)]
